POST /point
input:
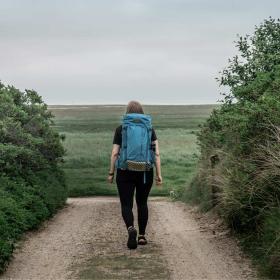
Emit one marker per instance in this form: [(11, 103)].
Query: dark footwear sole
[(132, 242), (142, 242)]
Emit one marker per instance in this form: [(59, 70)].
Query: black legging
[(127, 181)]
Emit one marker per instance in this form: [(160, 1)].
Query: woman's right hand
[(158, 180)]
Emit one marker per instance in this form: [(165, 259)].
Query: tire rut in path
[(192, 250), (87, 239)]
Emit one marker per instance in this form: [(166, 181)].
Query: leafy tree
[(258, 53), (239, 171)]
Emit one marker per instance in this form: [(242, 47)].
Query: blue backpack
[(136, 151)]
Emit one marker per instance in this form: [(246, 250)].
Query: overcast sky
[(112, 51)]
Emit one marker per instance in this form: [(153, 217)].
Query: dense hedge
[(239, 167), (32, 186)]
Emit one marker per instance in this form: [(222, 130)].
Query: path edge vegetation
[(32, 184), (238, 172)]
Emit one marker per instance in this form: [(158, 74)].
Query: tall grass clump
[(32, 185), (239, 166)]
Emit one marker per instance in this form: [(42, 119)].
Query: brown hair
[(134, 107)]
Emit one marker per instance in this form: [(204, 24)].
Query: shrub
[(32, 185), (239, 144)]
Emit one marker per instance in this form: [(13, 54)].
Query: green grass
[(89, 134)]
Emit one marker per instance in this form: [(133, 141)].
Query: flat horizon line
[(125, 104)]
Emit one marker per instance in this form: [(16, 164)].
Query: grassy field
[(89, 132)]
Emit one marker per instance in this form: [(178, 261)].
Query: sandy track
[(193, 249), (87, 239)]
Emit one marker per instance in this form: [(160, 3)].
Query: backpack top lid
[(137, 118)]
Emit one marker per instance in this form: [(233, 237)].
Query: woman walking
[(135, 151)]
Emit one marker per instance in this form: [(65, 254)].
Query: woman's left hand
[(110, 179)]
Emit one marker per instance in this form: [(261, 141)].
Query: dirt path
[(87, 240)]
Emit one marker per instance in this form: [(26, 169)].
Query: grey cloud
[(157, 51)]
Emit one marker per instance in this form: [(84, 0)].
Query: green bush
[(239, 166), (32, 185)]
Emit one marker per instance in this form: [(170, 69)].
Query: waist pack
[(136, 151)]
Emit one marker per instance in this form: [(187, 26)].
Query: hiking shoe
[(142, 240), (132, 235)]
